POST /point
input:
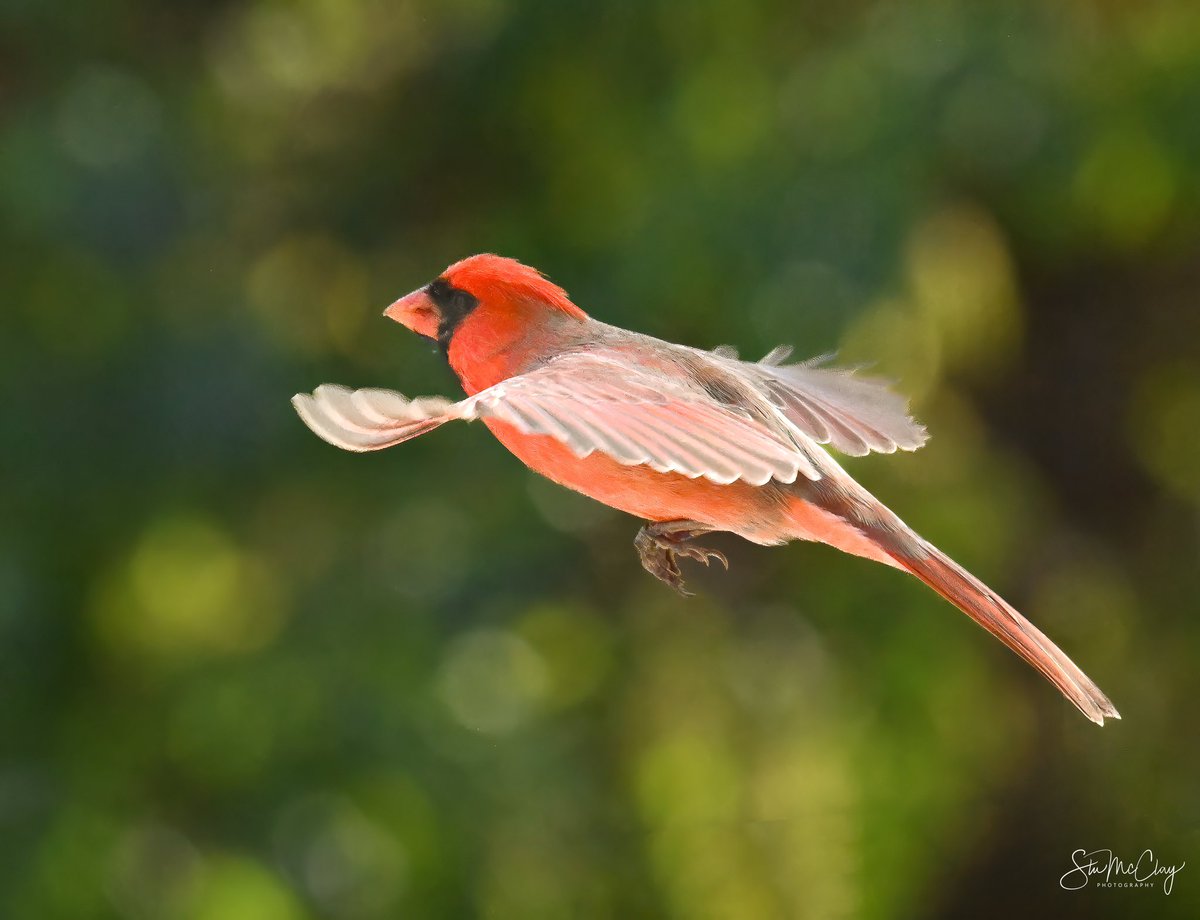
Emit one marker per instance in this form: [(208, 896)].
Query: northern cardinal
[(690, 441)]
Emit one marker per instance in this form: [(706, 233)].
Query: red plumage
[(687, 440)]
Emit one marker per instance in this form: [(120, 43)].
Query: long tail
[(875, 532), (993, 613)]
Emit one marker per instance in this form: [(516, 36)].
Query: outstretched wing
[(855, 415), (590, 403), (369, 419)]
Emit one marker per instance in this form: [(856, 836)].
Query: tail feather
[(993, 613), (837, 510)]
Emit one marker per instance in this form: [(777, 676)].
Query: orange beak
[(417, 312)]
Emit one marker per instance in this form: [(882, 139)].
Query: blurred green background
[(244, 675)]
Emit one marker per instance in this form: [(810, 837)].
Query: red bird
[(690, 441)]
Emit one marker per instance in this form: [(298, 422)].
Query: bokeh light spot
[(831, 107), (564, 509), (189, 590), (899, 344), (964, 286), (421, 550), (107, 118), (725, 111), (492, 681), (241, 888), (309, 293), (575, 647), (154, 871), (350, 865), (1164, 419), (1126, 185), (685, 778)]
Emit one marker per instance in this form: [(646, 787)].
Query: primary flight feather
[(690, 441)]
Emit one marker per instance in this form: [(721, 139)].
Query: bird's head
[(479, 286)]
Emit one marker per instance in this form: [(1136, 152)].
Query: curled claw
[(661, 544), (702, 554), (675, 578)]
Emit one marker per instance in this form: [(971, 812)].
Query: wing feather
[(589, 402), (856, 415), (364, 420)]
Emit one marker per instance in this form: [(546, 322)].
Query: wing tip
[(918, 437), (311, 411)]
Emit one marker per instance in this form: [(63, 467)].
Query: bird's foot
[(661, 544)]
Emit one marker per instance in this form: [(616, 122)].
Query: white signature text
[(1115, 872)]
